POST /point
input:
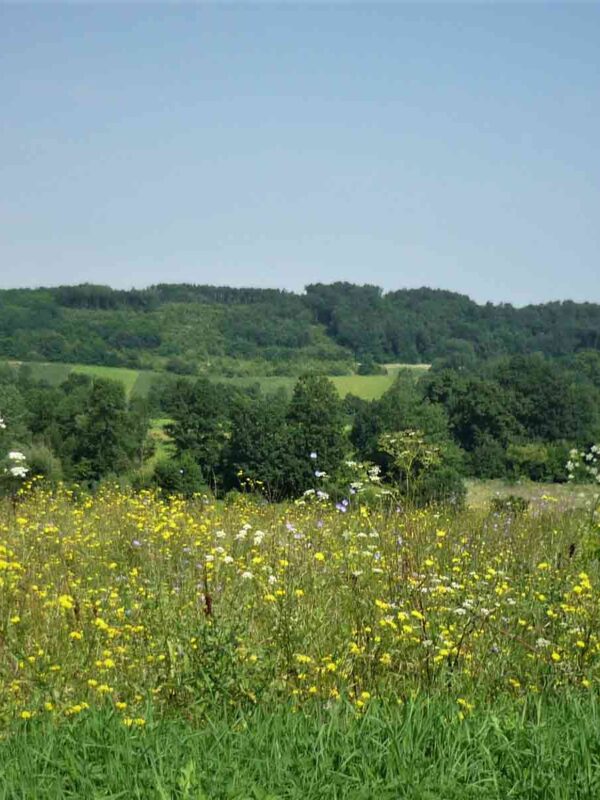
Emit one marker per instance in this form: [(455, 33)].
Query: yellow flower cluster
[(131, 600)]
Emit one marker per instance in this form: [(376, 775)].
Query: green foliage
[(104, 442), (200, 424), (179, 476), (529, 460), (488, 458), (411, 457), (517, 416), (14, 413), (326, 329), (258, 455), (539, 749), (426, 324), (180, 366), (511, 504), (443, 485), (316, 438), (403, 409), (43, 463), (510, 417), (587, 364), (538, 461), (422, 472), (82, 430), (370, 367)]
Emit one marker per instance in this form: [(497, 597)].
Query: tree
[(104, 443), (402, 407), (317, 441), (422, 471), (200, 423), (258, 456), (179, 476)]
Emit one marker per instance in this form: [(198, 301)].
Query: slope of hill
[(237, 332)]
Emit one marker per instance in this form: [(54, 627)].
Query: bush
[(488, 458), (443, 485), (558, 455), (180, 366), (512, 504), (42, 461), (370, 367), (529, 460), (180, 476)]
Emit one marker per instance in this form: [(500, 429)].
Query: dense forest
[(327, 329)]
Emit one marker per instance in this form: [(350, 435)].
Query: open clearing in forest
[(540, 495), (138, 382)]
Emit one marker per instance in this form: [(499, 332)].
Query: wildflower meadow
[(147, 609), (151, 617)]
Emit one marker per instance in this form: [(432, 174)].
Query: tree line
[(511, 417)]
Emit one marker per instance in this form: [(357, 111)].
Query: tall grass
[(119, 598), (154, 647), (536, 749)]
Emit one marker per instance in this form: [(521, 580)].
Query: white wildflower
[(258, 537)]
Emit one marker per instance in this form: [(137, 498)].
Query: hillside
[(235, 332)]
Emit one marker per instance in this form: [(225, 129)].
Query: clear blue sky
[(455, 146)]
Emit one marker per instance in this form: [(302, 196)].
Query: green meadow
[(138, 382)]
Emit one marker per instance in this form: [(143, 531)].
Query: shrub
[(488, 458), (511, 504), (370, 367), (444, 485), (181, 476), (42, 461)]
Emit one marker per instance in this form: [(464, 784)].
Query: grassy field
[(175, 602), (163, 447), (534, 750), (128, 377), (540, 495), (164, 648), (52, 373), (135, 382), (138, 382), (367, 387)]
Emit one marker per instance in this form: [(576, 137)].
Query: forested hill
[(185, 327)]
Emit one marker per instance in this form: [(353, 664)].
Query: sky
[(403, 145)]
